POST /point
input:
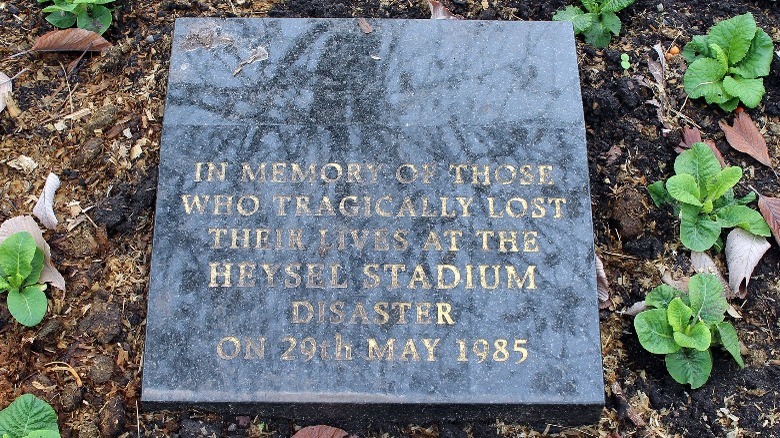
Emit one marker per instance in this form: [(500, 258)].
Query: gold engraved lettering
[(432, 241), (402, 308), (372, 280), (258, 348), (423, 313), (270, 271), (247, 174), (293, 271), (419, 276), (430, 347), (194, 202), (343, 349), (241, 206), (380, 308), (246, 271), (514, 281), (231, 352), (213, 172), (441, 281), (410, 350), (385, 352), (301, 175), (443, 311), (359, 313), (218, 233), (215, 274), (296, 312)]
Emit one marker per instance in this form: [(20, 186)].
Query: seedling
[(702, 194), (21, 263), (29, 417), (625, 61), (598, 23), (684, 327), (85, 14), (728, 63)]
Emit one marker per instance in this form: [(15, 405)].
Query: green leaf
[(16, 253), (567, 14), (758, 59), (583, 22), (689, 366), (615, 5), (27, 414), (93, 2), (745, 218), (28, 306), (43, 434), (97, 19), (591, 5), (707, 302), (698, 161), (699, 47), (661, 296), (703, 78), (699, 337), (720, 55), (747, 199), (659, 194), (37, 268), (734, 36), (697, 232), (61, 19), (4, 286), (729, 105), (611, 22), (683, 187), (597, 35), (723, 181), (678, 315), (749, 91), (654, 332), (729, 340)]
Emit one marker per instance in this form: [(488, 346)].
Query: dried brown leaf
[(602, 284), (27, 223), (320, 432), (440, 12), (743, 251), (67, 40), (770, 209), (364, 26), (637, 307), (745, 137), (6, 86)]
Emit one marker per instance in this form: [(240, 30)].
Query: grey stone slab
[(341, 181)]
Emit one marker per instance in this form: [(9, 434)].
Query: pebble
[(112, 417), (70, 397), (660, 7), (149, 39), (101, 370)]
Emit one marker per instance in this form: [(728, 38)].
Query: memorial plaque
[(391, 224)]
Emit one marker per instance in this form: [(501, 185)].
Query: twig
[(137, 419), (14, 76)]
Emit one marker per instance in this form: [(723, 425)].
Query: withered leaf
[(744, 136), (602, 284), (6, 86), (27, 223), (440, 12), (770, 209), (743, 251), (320, 431), (364, 26), (67, 40), (44, 208), (702, 263)]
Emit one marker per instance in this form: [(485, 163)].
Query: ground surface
[(105, 206)]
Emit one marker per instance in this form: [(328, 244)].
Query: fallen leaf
[(744, 136), (6, 86), (23, 163), (637, 307), (702, 263), (320, 432), (68, 40), (364, 26), (44, 208), (49, 274), (770, 209), (602, 284), (259, 54), (681, 284), (440, 12), (743, 251)]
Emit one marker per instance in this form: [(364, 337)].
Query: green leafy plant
[(29, 417), (625, 61), (684, 327), (598, 22), (86, 14), (702, 194), (21, 263), (727, 64)]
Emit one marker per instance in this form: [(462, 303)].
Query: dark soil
[(106, 156)]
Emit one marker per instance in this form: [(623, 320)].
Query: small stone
[(112, 417), (101, 370), (102, 118), (199, 428), (89, 151), (150, 39), (70, 397), (89, 430), (103, 322), (49, 332), (660, 7)]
